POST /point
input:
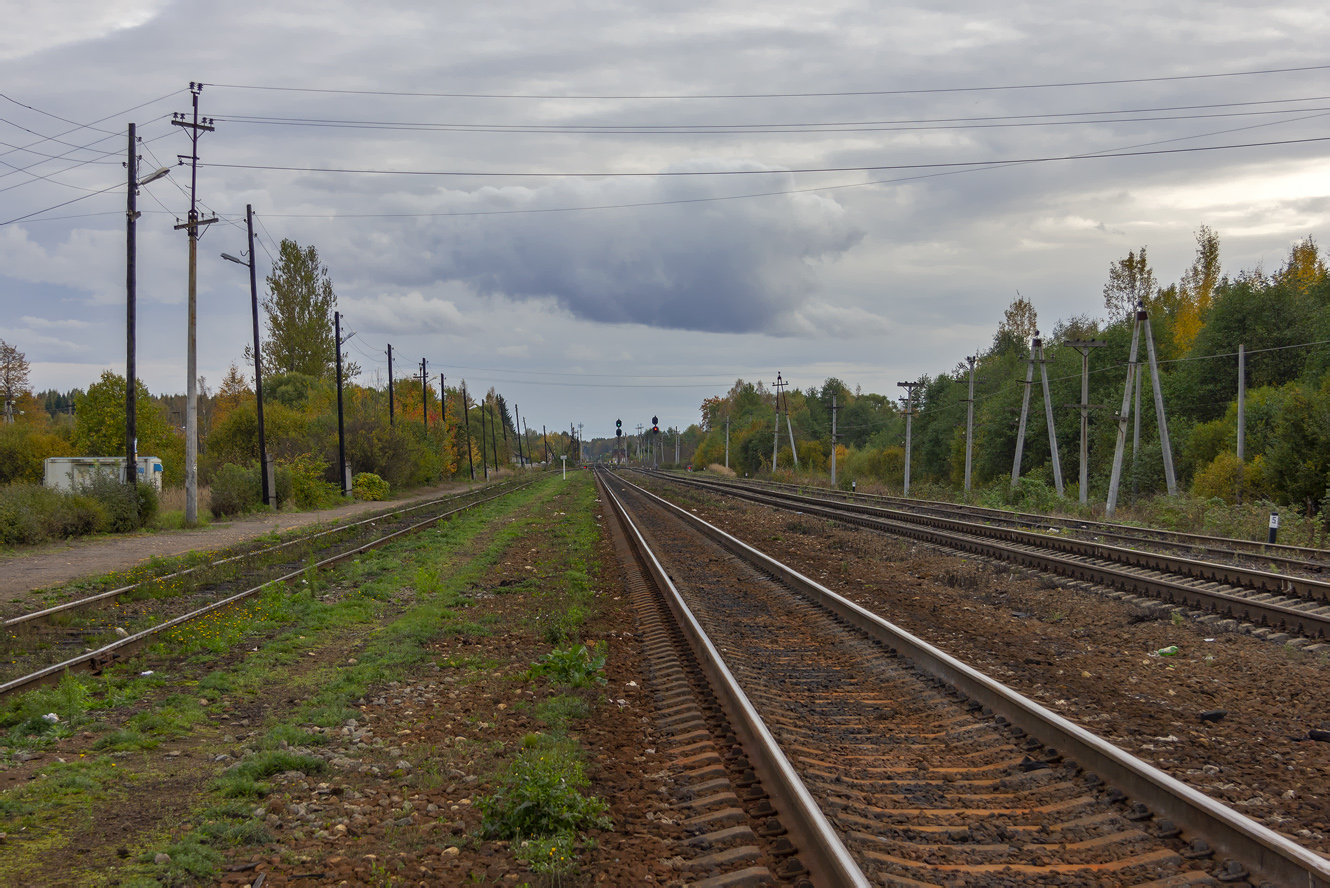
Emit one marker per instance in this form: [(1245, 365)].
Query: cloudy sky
[(613, 210)]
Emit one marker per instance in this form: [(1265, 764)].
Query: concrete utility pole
[(195, 127), (1133, 372), (910, 388), (466, 415), (517, 430), (834, 408), (1084, 346), (483, 456), (1037, 357), (780, 385), (545, 439), (1242, 416), (424, 393), (341, 428), (969, 423), (727, 442)]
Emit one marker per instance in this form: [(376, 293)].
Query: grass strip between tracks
[(418, 584)]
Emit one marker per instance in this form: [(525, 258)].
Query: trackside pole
[(1048, 414), (1123, 416), (1025, 412)]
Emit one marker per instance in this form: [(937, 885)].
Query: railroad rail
[(879, 748), (1284, 557), (1294, 604), (238, 560), (105, 654)]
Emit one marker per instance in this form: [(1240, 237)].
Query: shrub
[(368, 486), (236, 490), (31, 513), (1220, 478), (127, 507), (308, 488)]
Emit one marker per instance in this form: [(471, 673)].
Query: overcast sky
[(614, 210)]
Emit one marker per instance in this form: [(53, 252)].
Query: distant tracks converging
[(238, 577), (1281, 601), (889, 762)]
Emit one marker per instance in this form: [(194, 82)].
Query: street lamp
[(131, 304), (269, 496)]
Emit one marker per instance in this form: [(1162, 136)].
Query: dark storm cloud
[(727, 266)]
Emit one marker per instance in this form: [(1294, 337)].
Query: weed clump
[(578, 667), (540, 796)]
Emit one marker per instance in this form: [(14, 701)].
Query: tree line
[(1282, 318)]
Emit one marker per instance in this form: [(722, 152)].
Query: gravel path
[(42, 566)]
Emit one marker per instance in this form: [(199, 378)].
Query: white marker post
[(565, 467)]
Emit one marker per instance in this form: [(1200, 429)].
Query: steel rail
[(1302, 557), (1256, 846), (820, 848), (99, 658), (89, 601), (1031, 550)]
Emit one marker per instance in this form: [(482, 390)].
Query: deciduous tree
[(299, 308), (13, 372), (1197, 288), (1130, 280)]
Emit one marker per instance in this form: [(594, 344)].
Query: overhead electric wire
[(882, 126), (762, 172), (59, 205), (73, 123), (788, 95), (99, 120)]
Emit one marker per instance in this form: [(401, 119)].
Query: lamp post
[(131, 308), (268, 494)]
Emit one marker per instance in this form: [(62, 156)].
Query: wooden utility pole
[(1084, 346), (131, 323), (390, 383), (908, 400), (195, 127)]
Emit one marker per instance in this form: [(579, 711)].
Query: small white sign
[(1274, 521)]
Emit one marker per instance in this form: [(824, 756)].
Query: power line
[(885, 126), (59, 205), (766, 172), (99, 120), (798, 95)]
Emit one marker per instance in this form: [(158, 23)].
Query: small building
[(69, 473)]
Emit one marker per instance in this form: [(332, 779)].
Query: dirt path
[(49, 565)]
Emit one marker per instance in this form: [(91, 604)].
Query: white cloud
[(33, 27)]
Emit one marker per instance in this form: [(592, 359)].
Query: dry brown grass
[(720, 470), (173, 499)]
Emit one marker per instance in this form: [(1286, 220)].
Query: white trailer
[(72, 472)]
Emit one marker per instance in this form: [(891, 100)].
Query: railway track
[(80, 634), (1285, 558), (1291, 609), (882, 760)]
